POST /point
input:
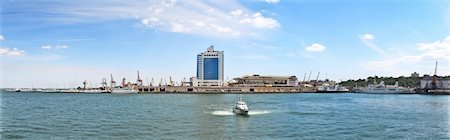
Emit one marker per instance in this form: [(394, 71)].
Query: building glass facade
[(211, 69)]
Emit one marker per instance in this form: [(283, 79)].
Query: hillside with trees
[(402, 81)]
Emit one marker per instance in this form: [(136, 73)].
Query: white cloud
[(178, 28), (374, 47), (46, 47), (54, 47), (61, 47), (427, 54), (315, 48), (367, 40), (204, 18), (367, 37), (236, 12), (272, 1), (436, 50), (257, 20), (11, 52), (194, 17)]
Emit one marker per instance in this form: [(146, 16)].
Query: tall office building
[(209, 68)]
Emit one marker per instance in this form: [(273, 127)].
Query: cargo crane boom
[(317, 78), (309, 77)]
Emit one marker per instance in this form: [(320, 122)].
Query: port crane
[(304, 78), (139, 80), (309, 77), (113, 83), (151, 83), (84, 85), (433, 82), (317, 78), (123, 82), (104, 84)]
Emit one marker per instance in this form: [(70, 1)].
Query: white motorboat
[(240, 107)]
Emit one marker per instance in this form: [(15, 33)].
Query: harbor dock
[(183, 89)]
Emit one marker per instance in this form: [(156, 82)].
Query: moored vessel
[(381, 88), (332, 89), (126, 90)]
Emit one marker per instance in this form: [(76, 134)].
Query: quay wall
[(183, 89)]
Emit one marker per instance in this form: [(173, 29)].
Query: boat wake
[(222, 112), (230, 112), (257, 112)]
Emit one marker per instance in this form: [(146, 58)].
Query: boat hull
[(384, 91), (322, 91), (124, 92), (240, 111)]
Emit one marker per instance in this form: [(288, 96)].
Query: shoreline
[(218, 93)]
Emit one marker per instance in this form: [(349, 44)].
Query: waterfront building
[(440, 82), (265, 81), (415, 75), (209, 69)]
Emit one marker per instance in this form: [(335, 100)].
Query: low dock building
[(264, 81)]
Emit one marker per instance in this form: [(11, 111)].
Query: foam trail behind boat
[(229, 112), (258, 112), (222, 112)]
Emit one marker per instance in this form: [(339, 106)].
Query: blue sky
[(61, 43)]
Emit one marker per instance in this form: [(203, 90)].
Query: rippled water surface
[(209, 116)]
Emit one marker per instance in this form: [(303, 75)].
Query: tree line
[(402, 81)]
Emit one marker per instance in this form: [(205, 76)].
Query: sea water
[(209, 116)]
